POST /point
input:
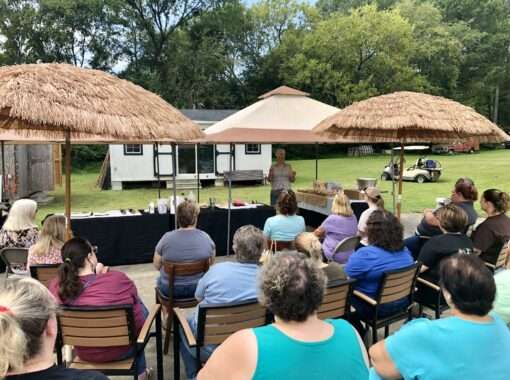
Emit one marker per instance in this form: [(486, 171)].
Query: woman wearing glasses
[(82, 281)]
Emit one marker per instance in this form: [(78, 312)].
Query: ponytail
[(379, 201), (25, 308), (500, 199), (74, 253), (12, 344)]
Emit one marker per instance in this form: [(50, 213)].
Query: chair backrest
[(182, 269), (13, 257), (398, 284), (503, 256), (217, 322), (280, 245), (97, 326), (44, 273), (335, 303), (347, 244)]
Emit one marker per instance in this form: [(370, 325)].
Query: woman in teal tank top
[(298, 345)]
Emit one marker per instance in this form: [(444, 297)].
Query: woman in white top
[(375, 202), (280, 176)]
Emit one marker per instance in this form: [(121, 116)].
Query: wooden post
[(57, 165), (401, 175), (67, 198), (316, 161)]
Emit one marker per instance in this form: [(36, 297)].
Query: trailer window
[(133, 149), (252, 149)]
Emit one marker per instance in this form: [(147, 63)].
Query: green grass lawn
[(487, 169)]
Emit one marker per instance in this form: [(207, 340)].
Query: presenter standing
[(280, 175)]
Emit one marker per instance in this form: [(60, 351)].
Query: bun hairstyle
[(287, 202), (467, 188), (310, 245), (74, 253), (25, 308), (498, 198)]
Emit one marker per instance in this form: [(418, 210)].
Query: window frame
[(126, 153), (247, 152)]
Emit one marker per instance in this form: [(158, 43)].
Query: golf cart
[(422, 171)]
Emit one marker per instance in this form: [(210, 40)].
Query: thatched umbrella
[(409, 117), (61, 102)]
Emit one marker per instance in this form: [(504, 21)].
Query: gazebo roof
[(284, 115)]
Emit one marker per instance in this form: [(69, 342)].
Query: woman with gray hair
[(298, 345), (227, 282), (28, 330)]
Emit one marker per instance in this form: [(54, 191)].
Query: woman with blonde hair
[(28, 330), (51, 240), (339, 225), (19, 229), (310, 245)]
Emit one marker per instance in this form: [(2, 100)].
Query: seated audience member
[(494, 231), (385, 252), (452, 222), (51, 240), (187, 243), (19, 229), (470, 344), (227, 282), (464, 194), (28, 330), (80, 284), (339, 225), (502, 302), (286, 225), (297, 345), (309, 244), (375, 201)]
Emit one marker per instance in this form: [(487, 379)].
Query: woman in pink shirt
[(80, 284), (51, 239)]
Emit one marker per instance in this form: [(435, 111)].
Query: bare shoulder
[(235, 358)]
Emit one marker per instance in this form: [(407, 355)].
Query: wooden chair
[(438, 305), (173, 269), (280, 245), (14, 258), (502, 259), (347, 244), (107, 326), (44, 273), (216, 323), (395, 285), (336, 302)]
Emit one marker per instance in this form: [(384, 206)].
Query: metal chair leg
[(168, 330), (386, 331), (159, 346), (374, 334), (177, 359)]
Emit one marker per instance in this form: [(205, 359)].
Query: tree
[(352, 57)]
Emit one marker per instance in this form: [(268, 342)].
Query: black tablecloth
[(315, 219), (132, 239)]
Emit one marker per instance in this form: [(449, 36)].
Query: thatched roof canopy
[(53, 98), (409, 117)]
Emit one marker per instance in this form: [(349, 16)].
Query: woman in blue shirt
[(470, 344), (285, 226), (385, 252)]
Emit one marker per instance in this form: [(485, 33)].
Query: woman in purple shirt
[(339, 225)]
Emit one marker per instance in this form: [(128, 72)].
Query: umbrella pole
[(392, 177), (198, 172), (229, 200), (67, 197), (316, 161), (400, 177), (3, 172), (159, 171), (174, 181)]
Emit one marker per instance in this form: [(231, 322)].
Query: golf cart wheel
[(471, 151), (420, 178), (385, 177), (451, 152)]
